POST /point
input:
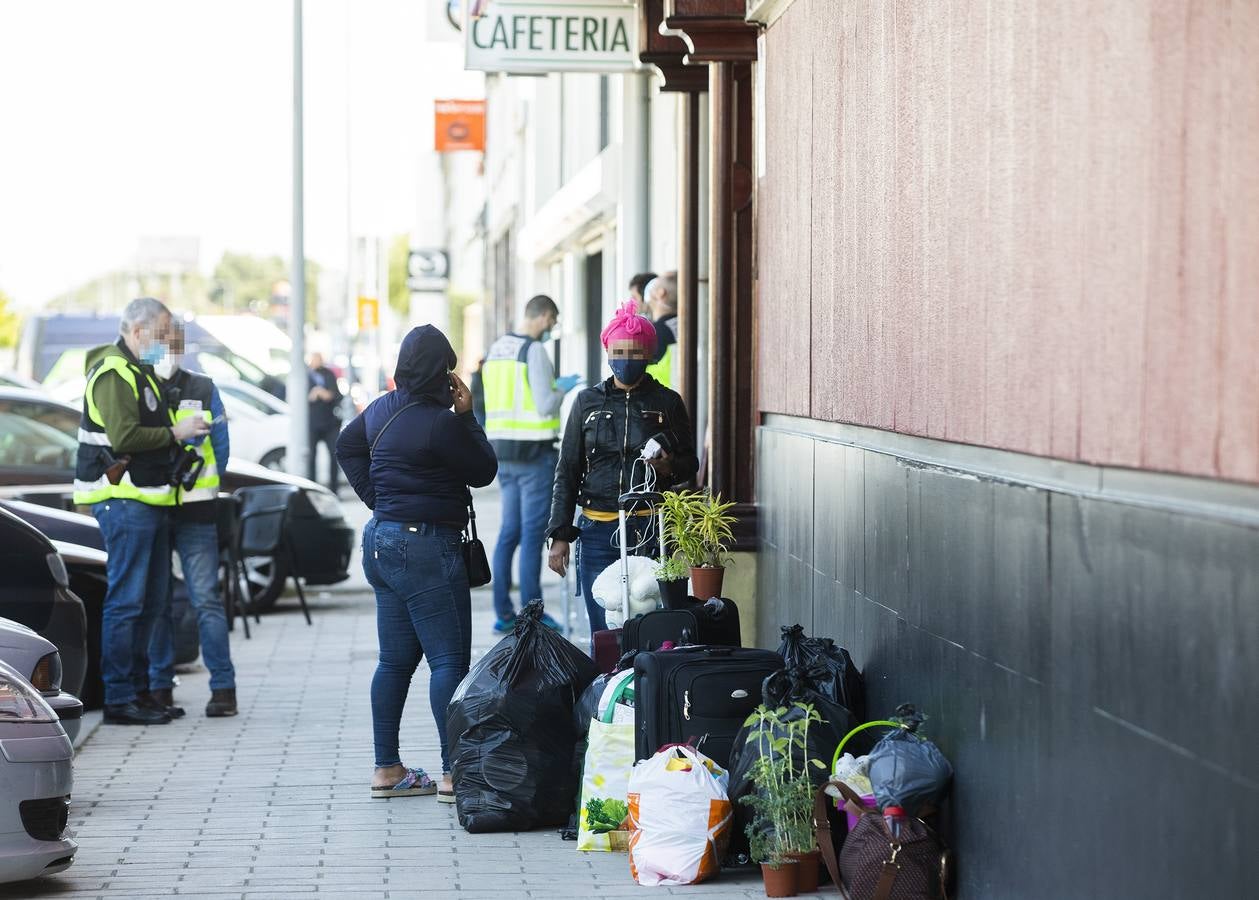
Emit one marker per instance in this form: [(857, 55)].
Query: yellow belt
[(596, 515)]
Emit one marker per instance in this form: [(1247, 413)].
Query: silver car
[(36, 658), (36, 777)]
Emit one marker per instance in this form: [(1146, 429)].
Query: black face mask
[(628, 371)]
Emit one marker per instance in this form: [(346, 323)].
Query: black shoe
[(134, 714), (222, 703), (162, 701)]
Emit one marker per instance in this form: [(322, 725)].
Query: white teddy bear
[(643, 590)]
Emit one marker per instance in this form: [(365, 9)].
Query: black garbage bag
[(511, 732), (907, 770), (845, 685), (791, 688), (587, 707)]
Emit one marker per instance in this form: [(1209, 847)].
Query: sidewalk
[(274, 802)]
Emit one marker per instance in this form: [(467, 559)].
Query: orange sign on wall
[(460, 125)]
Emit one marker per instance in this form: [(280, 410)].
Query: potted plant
[(701, 527), (671, 575), (780, 834)]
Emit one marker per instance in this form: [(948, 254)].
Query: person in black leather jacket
[(607, 428)]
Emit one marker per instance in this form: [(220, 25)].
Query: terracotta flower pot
[(673, 593), (706, 582), (783, 881), (806, 865)]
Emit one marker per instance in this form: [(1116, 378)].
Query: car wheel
[(273, 460), (266, 576)]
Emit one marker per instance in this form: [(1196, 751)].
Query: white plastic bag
[(605, 776), (681, 816), (619, 694), (853, 772)]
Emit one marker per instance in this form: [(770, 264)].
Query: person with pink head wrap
[(622, 432)]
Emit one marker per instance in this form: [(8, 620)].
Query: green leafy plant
[(672, 568), (603, 815), (699, 526), (782, 804)]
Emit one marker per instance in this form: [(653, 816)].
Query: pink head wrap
[(627, 325)]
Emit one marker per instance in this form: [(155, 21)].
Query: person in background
[(607, 430), (637, 286), (195, 537), (662, 301), (411, 460), (325, 416), (522, 419), (127, 439)]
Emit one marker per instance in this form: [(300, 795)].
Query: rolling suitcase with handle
[(697, 695)]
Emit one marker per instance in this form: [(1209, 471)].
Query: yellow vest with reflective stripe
[(663, 371), (97, 488), (510, 413), (207, 486)]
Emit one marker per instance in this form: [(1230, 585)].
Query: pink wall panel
[(1032, 226), (784, 288)]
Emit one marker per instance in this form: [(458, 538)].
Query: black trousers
[(326, 435)]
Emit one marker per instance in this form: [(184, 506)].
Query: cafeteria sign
[(551, 36)]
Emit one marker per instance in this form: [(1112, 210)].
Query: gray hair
[(668, 285), (141, 311)]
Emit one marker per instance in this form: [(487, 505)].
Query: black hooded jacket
[(424, 462)]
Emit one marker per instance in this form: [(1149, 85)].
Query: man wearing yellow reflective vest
[(195, 538), (522, 421), (127, 441), (661, 295)]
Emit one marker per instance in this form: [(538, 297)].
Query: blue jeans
[(599, 547), (526, 492), (423, 607), (197, 544), (137, 539)]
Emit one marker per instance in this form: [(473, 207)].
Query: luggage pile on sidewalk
[(693, 754)]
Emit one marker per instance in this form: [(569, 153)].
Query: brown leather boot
[(222, 703), (164, 698)]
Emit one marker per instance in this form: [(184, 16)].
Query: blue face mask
[(545, 336), (153, 353), (628, 371)]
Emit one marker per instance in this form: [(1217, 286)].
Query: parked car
[(77, 539), (38, 444), (39, 661), (35, 591), (36, 779)]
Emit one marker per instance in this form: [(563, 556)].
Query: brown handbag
[(874, 865)]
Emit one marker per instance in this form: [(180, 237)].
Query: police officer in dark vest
[(127, 444)]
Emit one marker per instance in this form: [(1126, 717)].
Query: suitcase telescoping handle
[(626, 502)]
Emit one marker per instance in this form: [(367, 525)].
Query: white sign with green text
[(551, 35)]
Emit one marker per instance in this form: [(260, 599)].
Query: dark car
[(35, 592), (47, 337), (38, 444)]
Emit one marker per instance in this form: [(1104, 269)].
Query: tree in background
[(245, 283), (10, 321), (399, 294)]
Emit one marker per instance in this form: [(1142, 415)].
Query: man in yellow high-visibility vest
[(522, 421), (661, 295), (127, 442)]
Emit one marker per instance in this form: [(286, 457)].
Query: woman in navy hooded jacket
[(414, 475)]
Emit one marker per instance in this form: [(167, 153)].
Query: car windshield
[(29, 443)]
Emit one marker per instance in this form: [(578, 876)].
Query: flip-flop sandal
[(414, 784)]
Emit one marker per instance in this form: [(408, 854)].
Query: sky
[(135, 119)]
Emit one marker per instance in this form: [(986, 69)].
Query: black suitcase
[(697, 695), (650, 630), (718, 625)]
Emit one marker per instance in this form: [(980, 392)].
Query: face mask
[(153, 353), (545, 336), (166, 366), (628, 371)]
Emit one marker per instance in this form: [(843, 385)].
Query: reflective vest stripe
[(88, 492), (95, 438), (207, 484)]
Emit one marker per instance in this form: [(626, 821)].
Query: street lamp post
[(299, 439)]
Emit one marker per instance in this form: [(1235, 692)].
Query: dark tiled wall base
[(1090, 667)]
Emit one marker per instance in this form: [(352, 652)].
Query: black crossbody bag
[(474, 558)]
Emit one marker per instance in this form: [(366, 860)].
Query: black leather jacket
[(605, 433)]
